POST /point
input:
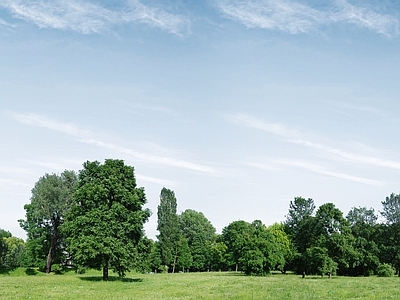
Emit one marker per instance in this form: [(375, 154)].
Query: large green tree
[(236, 237), (105, 222), (51, 198), (200, 234), (168, 229), (363, 224)]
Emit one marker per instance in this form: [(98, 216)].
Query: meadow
[(30, 284)]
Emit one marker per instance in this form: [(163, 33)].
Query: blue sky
[(237, 106)]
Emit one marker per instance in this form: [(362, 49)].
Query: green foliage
[(286, 247), (362, 216), (15, 255), (12, 251), (385, 270), (105, 222), (51, 198), (253, 262), (318, 261), (299, 210), (391, 209), (185, 259), (236, 237), (168, 228), (219, 256), (57, 269), (253, 246), (143, 251), (200, 233), (330, 220), (39, 237), (155, 261)]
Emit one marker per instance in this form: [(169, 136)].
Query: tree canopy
[(168, 228), (105, 222), (51, 198)]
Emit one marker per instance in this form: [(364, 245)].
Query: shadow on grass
[(110, 278), (4, 271)]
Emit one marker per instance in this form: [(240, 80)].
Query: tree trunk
[(53, 244), (175, 257), (237, 266), (105, 272), (173, 265)]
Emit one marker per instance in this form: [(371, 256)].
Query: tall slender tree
[(168, 223)]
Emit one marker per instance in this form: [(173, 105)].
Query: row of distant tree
[(94, 219)]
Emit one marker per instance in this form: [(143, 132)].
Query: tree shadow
[(233, 273), (30, 272), (110, 278), (4, 271)]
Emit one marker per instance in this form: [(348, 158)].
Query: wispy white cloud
[(287, 16), (134, 107), (169, 161), (321, 170), (16, 170), (296, 137), (358, 108), (5, 23), (159, 181), (42, 121), (87, 136), (276, 165), (262, 166), (365, 18), (86, 17), (294, 17), (12, 182)]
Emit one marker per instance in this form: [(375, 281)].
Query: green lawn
[(19, 285)]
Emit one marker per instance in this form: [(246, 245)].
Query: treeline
[(94, 219)]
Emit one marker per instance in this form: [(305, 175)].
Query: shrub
[(385, 270), (57, 269), (80, 270)]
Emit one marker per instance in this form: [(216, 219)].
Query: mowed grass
[(213, 285)]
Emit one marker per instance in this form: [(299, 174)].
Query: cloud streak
[(86, 136), (292, 136), (294, 17), (321, 170), (86, 17)]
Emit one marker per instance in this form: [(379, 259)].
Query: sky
[(236, 106)]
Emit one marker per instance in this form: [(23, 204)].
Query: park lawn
[(213, 285)]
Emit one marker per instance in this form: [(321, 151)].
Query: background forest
[(94, 219)]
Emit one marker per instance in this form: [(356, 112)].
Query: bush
[(57, 269), (80, 270), (385, 270)]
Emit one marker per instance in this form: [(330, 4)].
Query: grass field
[(19, 285)]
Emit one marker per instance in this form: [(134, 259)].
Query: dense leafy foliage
[(51, 198), (200, 234), (168, 228), (103, 228), (105, 222)]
